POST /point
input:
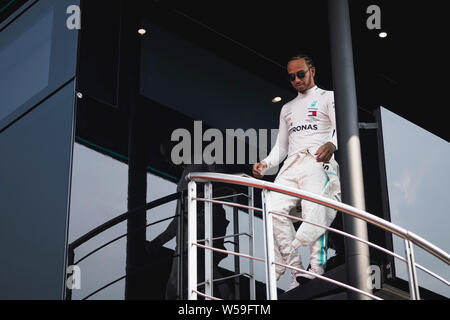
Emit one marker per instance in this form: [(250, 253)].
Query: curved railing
[(111, 223), (409, 237), (115, 221)]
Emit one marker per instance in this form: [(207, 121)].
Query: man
[(307, 136)]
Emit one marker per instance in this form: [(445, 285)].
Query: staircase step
[(318, 288)]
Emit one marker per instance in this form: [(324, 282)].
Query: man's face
[(301, 85)]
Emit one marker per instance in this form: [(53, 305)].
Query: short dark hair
[(308, 59)]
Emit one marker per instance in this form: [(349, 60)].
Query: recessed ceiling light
[(276, 99), (382, 35), (142, 31)]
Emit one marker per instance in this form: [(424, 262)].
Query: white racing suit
[(306, 123), (302, 171)]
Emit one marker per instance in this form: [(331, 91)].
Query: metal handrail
[(122, 236), (338, 283), (109, 224), (206, 296), (345, 234), (124, 216), (226, 278), (231, 204), (348, 235), (408, 236), (227, 236), (137, 271), (363, 215), (120, 218), (231, 196)]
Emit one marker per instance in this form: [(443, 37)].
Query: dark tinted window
[(34, 188), (37, 56)]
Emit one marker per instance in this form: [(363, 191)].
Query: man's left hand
[(325, 152)]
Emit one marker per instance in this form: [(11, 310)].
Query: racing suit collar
[(307, 92)]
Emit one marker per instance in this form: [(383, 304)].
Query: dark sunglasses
[(300, 74)]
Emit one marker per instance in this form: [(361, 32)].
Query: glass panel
[(37, 56), (99, 193), (34, 187), (27, 54), (418, 191)]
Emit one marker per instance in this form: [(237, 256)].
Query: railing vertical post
[(237, 261), (192, 238), (271, 281), (180, 247), (251, 242), (208, 237), (412, 276)]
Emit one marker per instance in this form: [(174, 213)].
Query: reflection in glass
[(26, 54), (34, 187), (99, 193), (418, 185)]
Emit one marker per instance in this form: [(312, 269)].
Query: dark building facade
[(89, 93), (37, 125)]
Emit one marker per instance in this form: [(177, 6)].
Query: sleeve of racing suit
[(280, 149), (332, 116)]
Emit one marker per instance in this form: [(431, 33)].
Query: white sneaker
[(302, 278), (294, 283)]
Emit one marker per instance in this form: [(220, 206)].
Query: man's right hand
[(258, 169)]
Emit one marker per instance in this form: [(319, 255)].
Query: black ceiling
[(403, 72)]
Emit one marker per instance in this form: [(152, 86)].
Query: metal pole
[(128, 92), (251, 243), (137, 196), (271, 281), (182, 243), (237, 261), (208, 237), (192, 238), (180, 251), (412, 276), (357, 254)]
